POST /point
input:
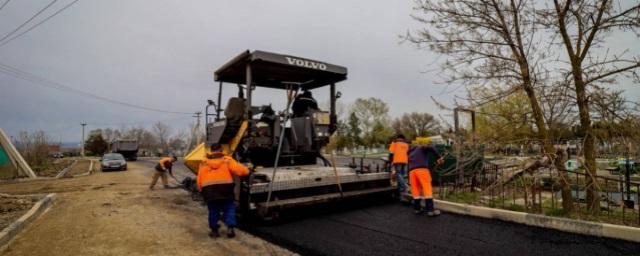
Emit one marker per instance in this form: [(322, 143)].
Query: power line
[(38, 24), (4, 4), (137, 123), (29, 20), (17, 73)]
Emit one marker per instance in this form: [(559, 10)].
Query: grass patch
[(8, 172), (515, 207), (463, 197), (613, 216)]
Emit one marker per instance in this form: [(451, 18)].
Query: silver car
[(113, 161)]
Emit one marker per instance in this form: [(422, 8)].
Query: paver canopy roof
[(275, 70)]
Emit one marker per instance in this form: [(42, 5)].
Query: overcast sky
[(162, 54)]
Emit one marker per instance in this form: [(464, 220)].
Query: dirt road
[(114, 213)]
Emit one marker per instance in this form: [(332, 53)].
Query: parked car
[(56, 155), (113, 161)]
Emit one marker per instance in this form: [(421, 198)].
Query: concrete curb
[(10, 232), (64, 171), (536, 220), (89, 172)]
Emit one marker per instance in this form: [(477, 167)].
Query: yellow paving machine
[(284, 146)]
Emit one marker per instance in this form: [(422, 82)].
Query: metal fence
[(509, 187)]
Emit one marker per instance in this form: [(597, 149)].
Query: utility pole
[(628, 203), (194, 132), (82, 146)]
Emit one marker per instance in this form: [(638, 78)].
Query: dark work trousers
[(228, 209)]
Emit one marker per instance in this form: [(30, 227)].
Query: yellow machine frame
[(198, 154)]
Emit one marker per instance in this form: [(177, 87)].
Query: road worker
[(303, 104), (215, 182), (398, 155), (420, 176), (164, 166)]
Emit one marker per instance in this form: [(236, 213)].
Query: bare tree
[(492, 44), (146, 139), (614, 119), (196, 135), (34, 148), (558, 106), (416, 124), (110, 135), (162, 133), (178, 142), (584, 26)]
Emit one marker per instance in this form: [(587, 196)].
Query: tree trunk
[(593, 197), (561, 158)]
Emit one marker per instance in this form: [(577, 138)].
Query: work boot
[(417, 206), (433, 213), (231, 233), (214, 233), (166, 186)]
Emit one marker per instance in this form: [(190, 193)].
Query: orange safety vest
[(164, 162), (215, 176), (400, 150)]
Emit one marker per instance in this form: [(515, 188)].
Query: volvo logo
[(306, 63)]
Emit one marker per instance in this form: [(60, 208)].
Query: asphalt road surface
[(369, 228), (393, 229)]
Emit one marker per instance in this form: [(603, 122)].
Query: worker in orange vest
[(162, 167), (398, 155), (420, 177), (215, 182)]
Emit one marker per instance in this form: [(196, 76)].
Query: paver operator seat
[(256, 130)]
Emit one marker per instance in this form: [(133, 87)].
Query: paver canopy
[(275, 70)]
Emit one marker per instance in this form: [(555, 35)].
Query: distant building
[(54, 148), (70, 149)]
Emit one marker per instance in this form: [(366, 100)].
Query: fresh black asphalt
[(393, 229)]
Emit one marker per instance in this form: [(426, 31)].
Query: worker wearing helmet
[(398, 155), (215, 182), (420, 176), (164, 165)]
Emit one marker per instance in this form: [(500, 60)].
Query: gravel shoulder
[(82, 166), (114, 213), (56, 167)]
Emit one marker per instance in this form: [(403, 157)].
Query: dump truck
[(128, 148), (290, 170)]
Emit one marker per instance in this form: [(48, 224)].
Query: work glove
[(250, 166), (440, 161)]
